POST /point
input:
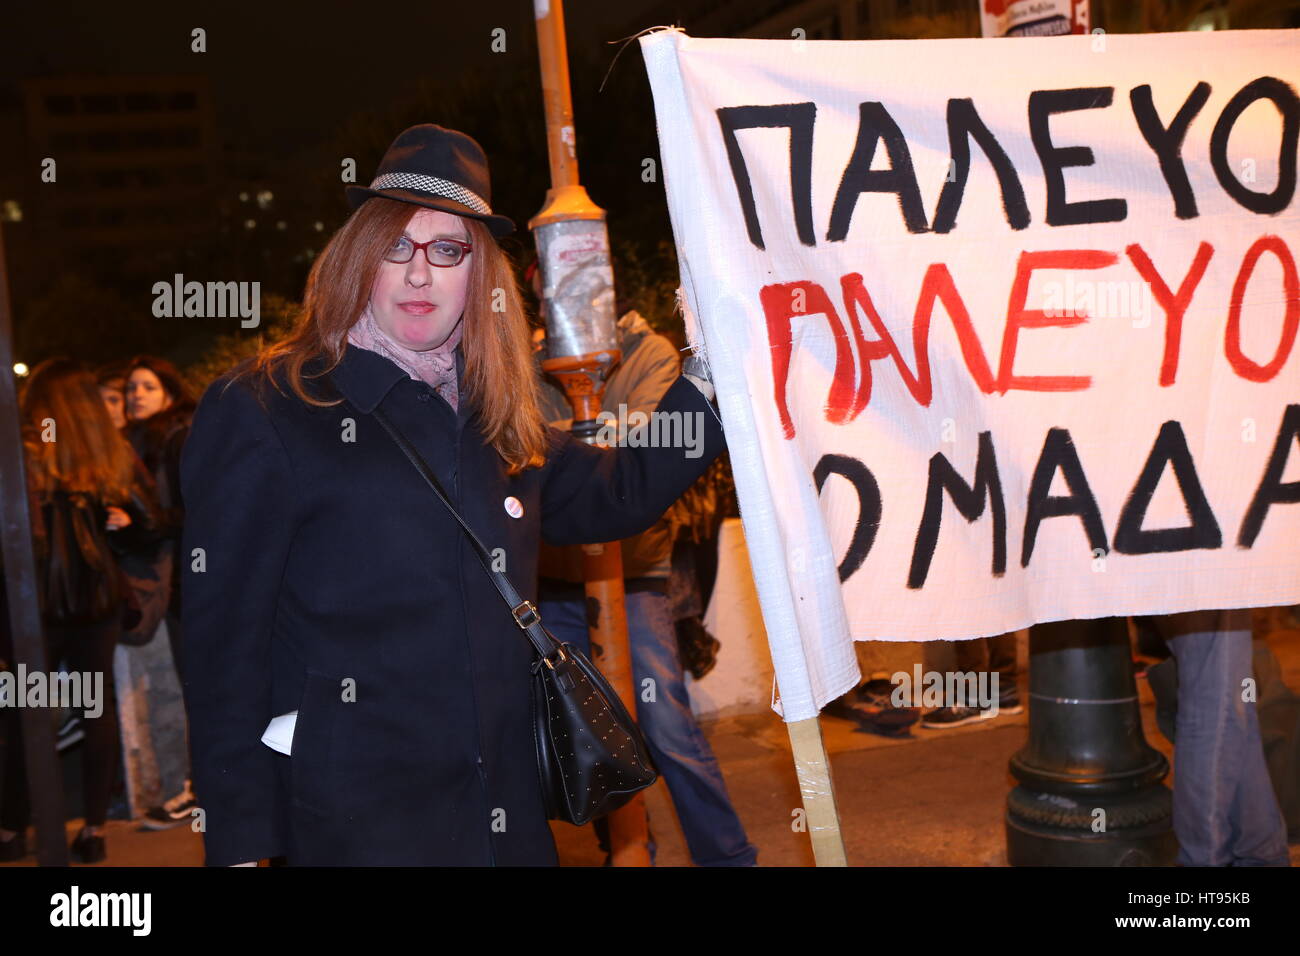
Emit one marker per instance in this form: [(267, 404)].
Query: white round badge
[(513, 508)]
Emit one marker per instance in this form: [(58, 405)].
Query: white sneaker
[(173, 812)]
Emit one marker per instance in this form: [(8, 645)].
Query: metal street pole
[(1089, 785), (44, 778), (582, 349)]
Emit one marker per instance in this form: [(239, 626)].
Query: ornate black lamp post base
[(1043, 832), (1090, 789)]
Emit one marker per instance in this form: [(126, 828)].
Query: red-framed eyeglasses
[(441, 253)]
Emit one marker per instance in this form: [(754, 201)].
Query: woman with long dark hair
[(79, 470), (327, 586), (159, 409)]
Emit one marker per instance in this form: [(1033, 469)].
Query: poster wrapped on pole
[(1001, 333)]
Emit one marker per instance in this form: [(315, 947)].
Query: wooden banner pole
[(813, 768)]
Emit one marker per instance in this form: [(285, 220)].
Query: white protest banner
[(1003, 331)]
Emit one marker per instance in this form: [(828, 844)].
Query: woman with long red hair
[(90, 504), (357, 691)]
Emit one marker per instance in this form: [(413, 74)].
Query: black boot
[(89, 849), (15, 848)]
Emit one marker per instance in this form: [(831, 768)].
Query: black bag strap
[(524, 612)]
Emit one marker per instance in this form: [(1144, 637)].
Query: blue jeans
[(1225, 811), (714, 833)]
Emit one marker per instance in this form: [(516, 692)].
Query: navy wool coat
[(322, 575)]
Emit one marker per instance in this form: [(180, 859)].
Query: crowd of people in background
[(102, 450)]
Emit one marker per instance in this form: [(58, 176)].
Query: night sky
[(294, 87), (289, 70)]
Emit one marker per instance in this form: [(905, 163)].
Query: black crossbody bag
[(591, 757)]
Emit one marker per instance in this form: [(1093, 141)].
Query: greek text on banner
[(1003, 331)]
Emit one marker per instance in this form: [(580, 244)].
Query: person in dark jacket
[(714, 832), (327, 587), (159, 407), (74, 454)]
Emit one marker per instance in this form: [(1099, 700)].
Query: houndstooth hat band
[(432, 184)]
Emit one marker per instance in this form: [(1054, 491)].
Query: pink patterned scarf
[(436, 367)]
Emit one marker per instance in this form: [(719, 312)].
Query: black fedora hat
[(439, 168)]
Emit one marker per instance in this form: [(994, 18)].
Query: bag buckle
[(559, 652), (526, 610)]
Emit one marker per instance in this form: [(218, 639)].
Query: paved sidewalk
[(936, 799)]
